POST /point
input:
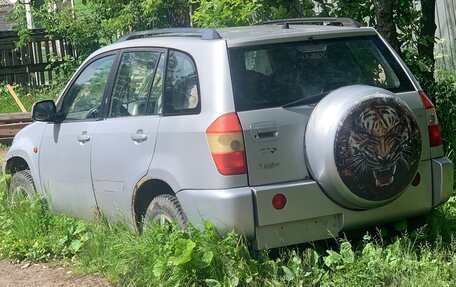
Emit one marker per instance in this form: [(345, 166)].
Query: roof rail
[(346, 22), (204, 33)]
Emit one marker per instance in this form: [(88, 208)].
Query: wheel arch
[(147, 189), (19, 162), (15, 164)]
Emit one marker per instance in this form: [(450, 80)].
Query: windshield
[(275, 75)]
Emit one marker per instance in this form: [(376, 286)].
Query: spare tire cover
[(363, 146)]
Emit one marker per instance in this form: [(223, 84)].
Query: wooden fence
[(27, 65), (446, 34), (11, 124)]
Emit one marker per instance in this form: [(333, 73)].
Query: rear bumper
[(309, 214), (227, 209)]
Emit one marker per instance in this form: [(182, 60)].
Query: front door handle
[(139, 136), (84, 137)]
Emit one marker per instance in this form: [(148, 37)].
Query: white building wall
[(445, 49)]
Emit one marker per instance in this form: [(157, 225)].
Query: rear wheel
[(22, 185), (165, 209)]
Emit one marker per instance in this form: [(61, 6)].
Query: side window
[(133, 84), (181, 85), (85, 96), (155, 103)]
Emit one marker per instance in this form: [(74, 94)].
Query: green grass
[(29, 232), (27, 97), (164, 257)]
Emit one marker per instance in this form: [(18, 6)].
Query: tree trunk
[(426, 45), (385, 23)]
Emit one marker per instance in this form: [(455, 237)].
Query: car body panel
[(118, 162), (182, 158), (277, 156), (442, 180), (306, 199), (268, 34), (22, 147), (226, 209), (65, 168)]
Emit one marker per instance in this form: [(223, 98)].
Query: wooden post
[(16, 98)]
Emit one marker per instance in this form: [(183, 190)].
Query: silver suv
[(288, 132)]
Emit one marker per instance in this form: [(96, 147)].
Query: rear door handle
[(84, 137), (267, 132), (139, 136)]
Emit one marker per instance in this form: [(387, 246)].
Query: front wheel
[(165, 209), (22, 185)]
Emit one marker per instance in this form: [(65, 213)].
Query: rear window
[(275, 75)]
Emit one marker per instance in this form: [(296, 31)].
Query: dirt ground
[(44, 275)]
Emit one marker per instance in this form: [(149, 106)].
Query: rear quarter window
[(181, 85)]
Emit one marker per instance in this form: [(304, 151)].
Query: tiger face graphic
[(378, 148)]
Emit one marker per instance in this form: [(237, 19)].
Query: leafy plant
[(445, 97), (27, 95), (29, 232), (221, 13)]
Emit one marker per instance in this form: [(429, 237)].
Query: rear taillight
[(435, 139), (226, 143)]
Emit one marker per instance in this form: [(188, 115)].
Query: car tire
[(165, 209), (22, 183)]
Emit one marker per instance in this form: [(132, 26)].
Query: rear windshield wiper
[(307, 100)]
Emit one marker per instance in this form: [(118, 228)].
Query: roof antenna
[(286, 25)]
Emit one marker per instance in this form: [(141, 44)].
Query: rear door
[(276, 87), (124, 143)]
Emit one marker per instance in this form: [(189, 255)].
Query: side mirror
[(44, 111)]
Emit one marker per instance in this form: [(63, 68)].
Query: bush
[(445, 97)]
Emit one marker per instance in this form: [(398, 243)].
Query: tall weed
[(29, 232), (27, 95), (164, 256)]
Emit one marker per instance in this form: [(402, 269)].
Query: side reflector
[(279, 201)]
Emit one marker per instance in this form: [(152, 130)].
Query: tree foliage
[(409, 30), (102, 21), (222, 13)]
